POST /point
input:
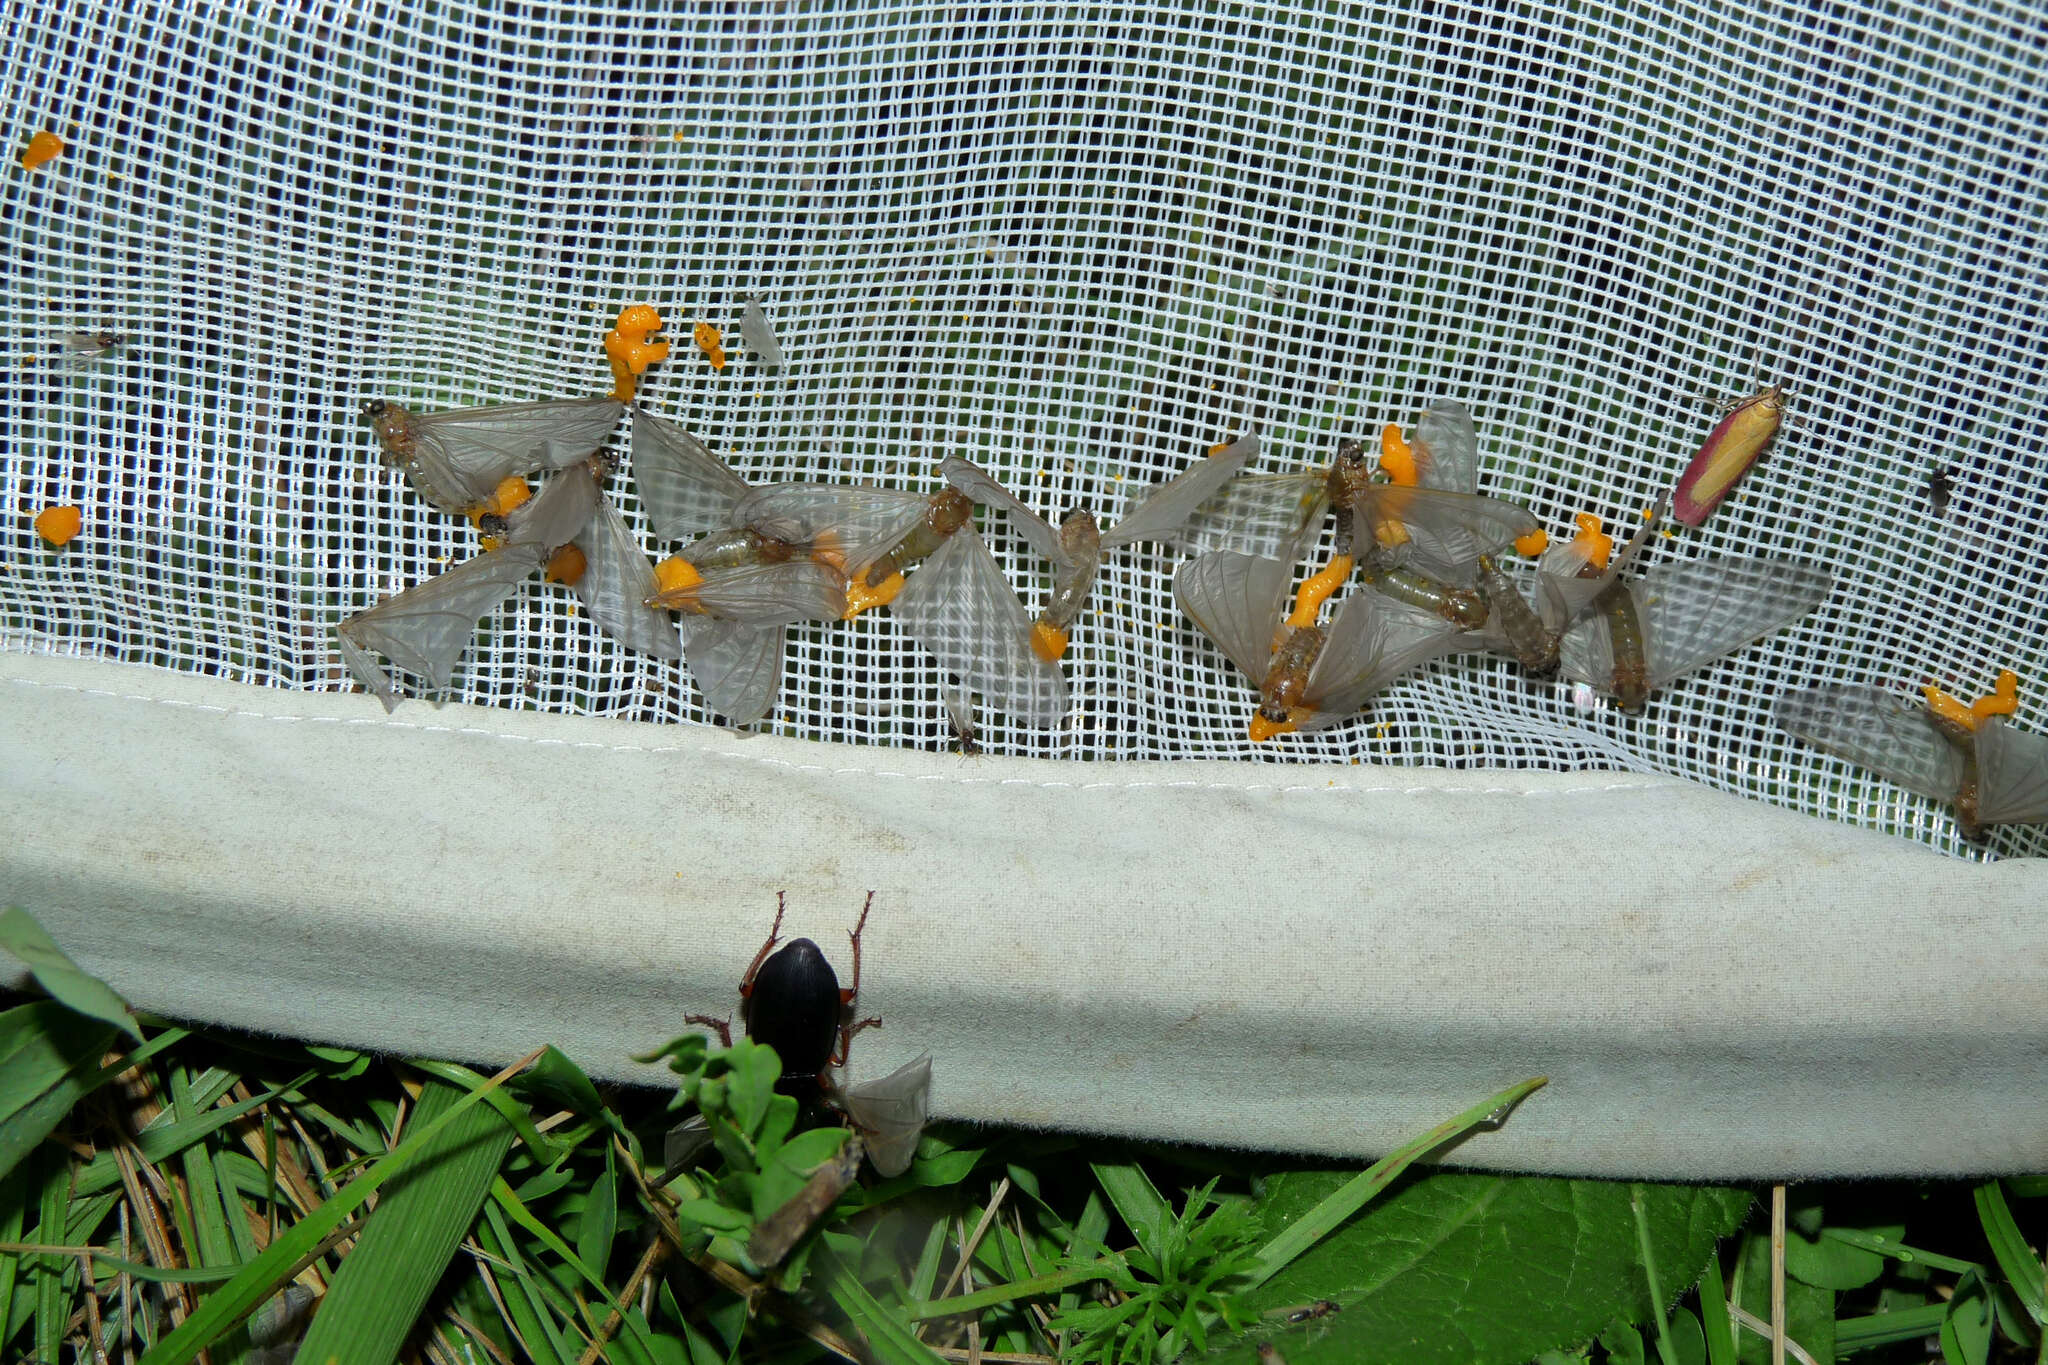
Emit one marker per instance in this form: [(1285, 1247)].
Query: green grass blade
[(1666, 1352), (163, 1140), (2016, 1260), (46, 1051), (1356, 1193), (516, 1209), (1138, 1202), (888, 1338), (406, 1244), (60, 976), (1714, 1319)]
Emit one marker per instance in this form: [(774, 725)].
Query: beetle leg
[(722, 1027), (848, 992), (775, 932)]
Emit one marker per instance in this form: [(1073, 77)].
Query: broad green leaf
[(1809, 1311), (1827, 1262), (47, 1050), (1459, 1267), (1966, 1327), (60, 976), (560, 1082)]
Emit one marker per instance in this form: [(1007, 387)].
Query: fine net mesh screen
[(1078, 249)]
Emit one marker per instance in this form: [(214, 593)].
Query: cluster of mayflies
[(1434, 560)]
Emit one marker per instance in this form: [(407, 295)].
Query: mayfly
[(759, 335), (1316, 675), (1967, 754), (456, 460), (1570, 577), (1645, 634), (1729, 452), (425, 629), (791, 1000), (958, 606), (1076, 547)]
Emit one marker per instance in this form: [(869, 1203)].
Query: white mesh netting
[(1077, 250)]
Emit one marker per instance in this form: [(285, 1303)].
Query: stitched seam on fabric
[(1328, 785)]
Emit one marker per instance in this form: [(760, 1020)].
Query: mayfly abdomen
[(1534, 643), (736, 548), (1081, 539), (1462, 607), (1963, 739), (1625, 637), (1285, 689)]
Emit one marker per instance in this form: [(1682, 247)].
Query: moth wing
[(738, 666), (759, 334), (765, 594), (1447, 448), (2012, 775), (961, 609), (425, 628), (1165, 509), (1235, 599), (1693, 613), (617, 580), (861, 521), (558, 514), (684, 487), (1372, 641), (475, 448), (1278, 516), (975, 482), (1878, 730), (891, 1114)]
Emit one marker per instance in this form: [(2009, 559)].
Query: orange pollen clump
[(1263, 729), (711, 342), (57, 525), (629, 349), (1949, 708), (42, 147), (1397, 457), (860, 597), (566, 565), (1309, 598), (1532, 544), (1219, 448), (676, 573), (2003, 700), (1592, 542), (1048, 641)]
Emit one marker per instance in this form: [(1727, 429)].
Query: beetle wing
[(959, 607), (425, 628), (473, 449), (863, 521), (685, 488), (975, 482), (1235, 599), (738, 666), (891, 1114), (764, 594), (1446, 446), (1165, 509), (616, 583), (1693, 613), (759, 334), (2012, 775), (558, 514), (1878, 730), (1372, 641)]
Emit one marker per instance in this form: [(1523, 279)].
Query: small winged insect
[(1076, 548), (1965, 753), (456, 460), (759, 335), (83, 348), (1730, 450), (1941, 486), (958, 606), (425, 629), (1570, 577), (1317, 675), (738, 589), (1646, 633), (791, 1000)]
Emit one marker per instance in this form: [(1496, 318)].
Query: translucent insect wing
[(891, 1114), (1164, 510), (960, 608), (759, 335), (425, 629), (1235, 599), (738, 666), (866, 522), (767, 594), (685, 488), (975, 482), (1875, 729), (617, 580), (476, 448), (2012, 775), (1564, 596), (1278, 516), (559, 513), (1447, 448), (1371, 643), (1693, 613), (1450, 530), (1585, 653)]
